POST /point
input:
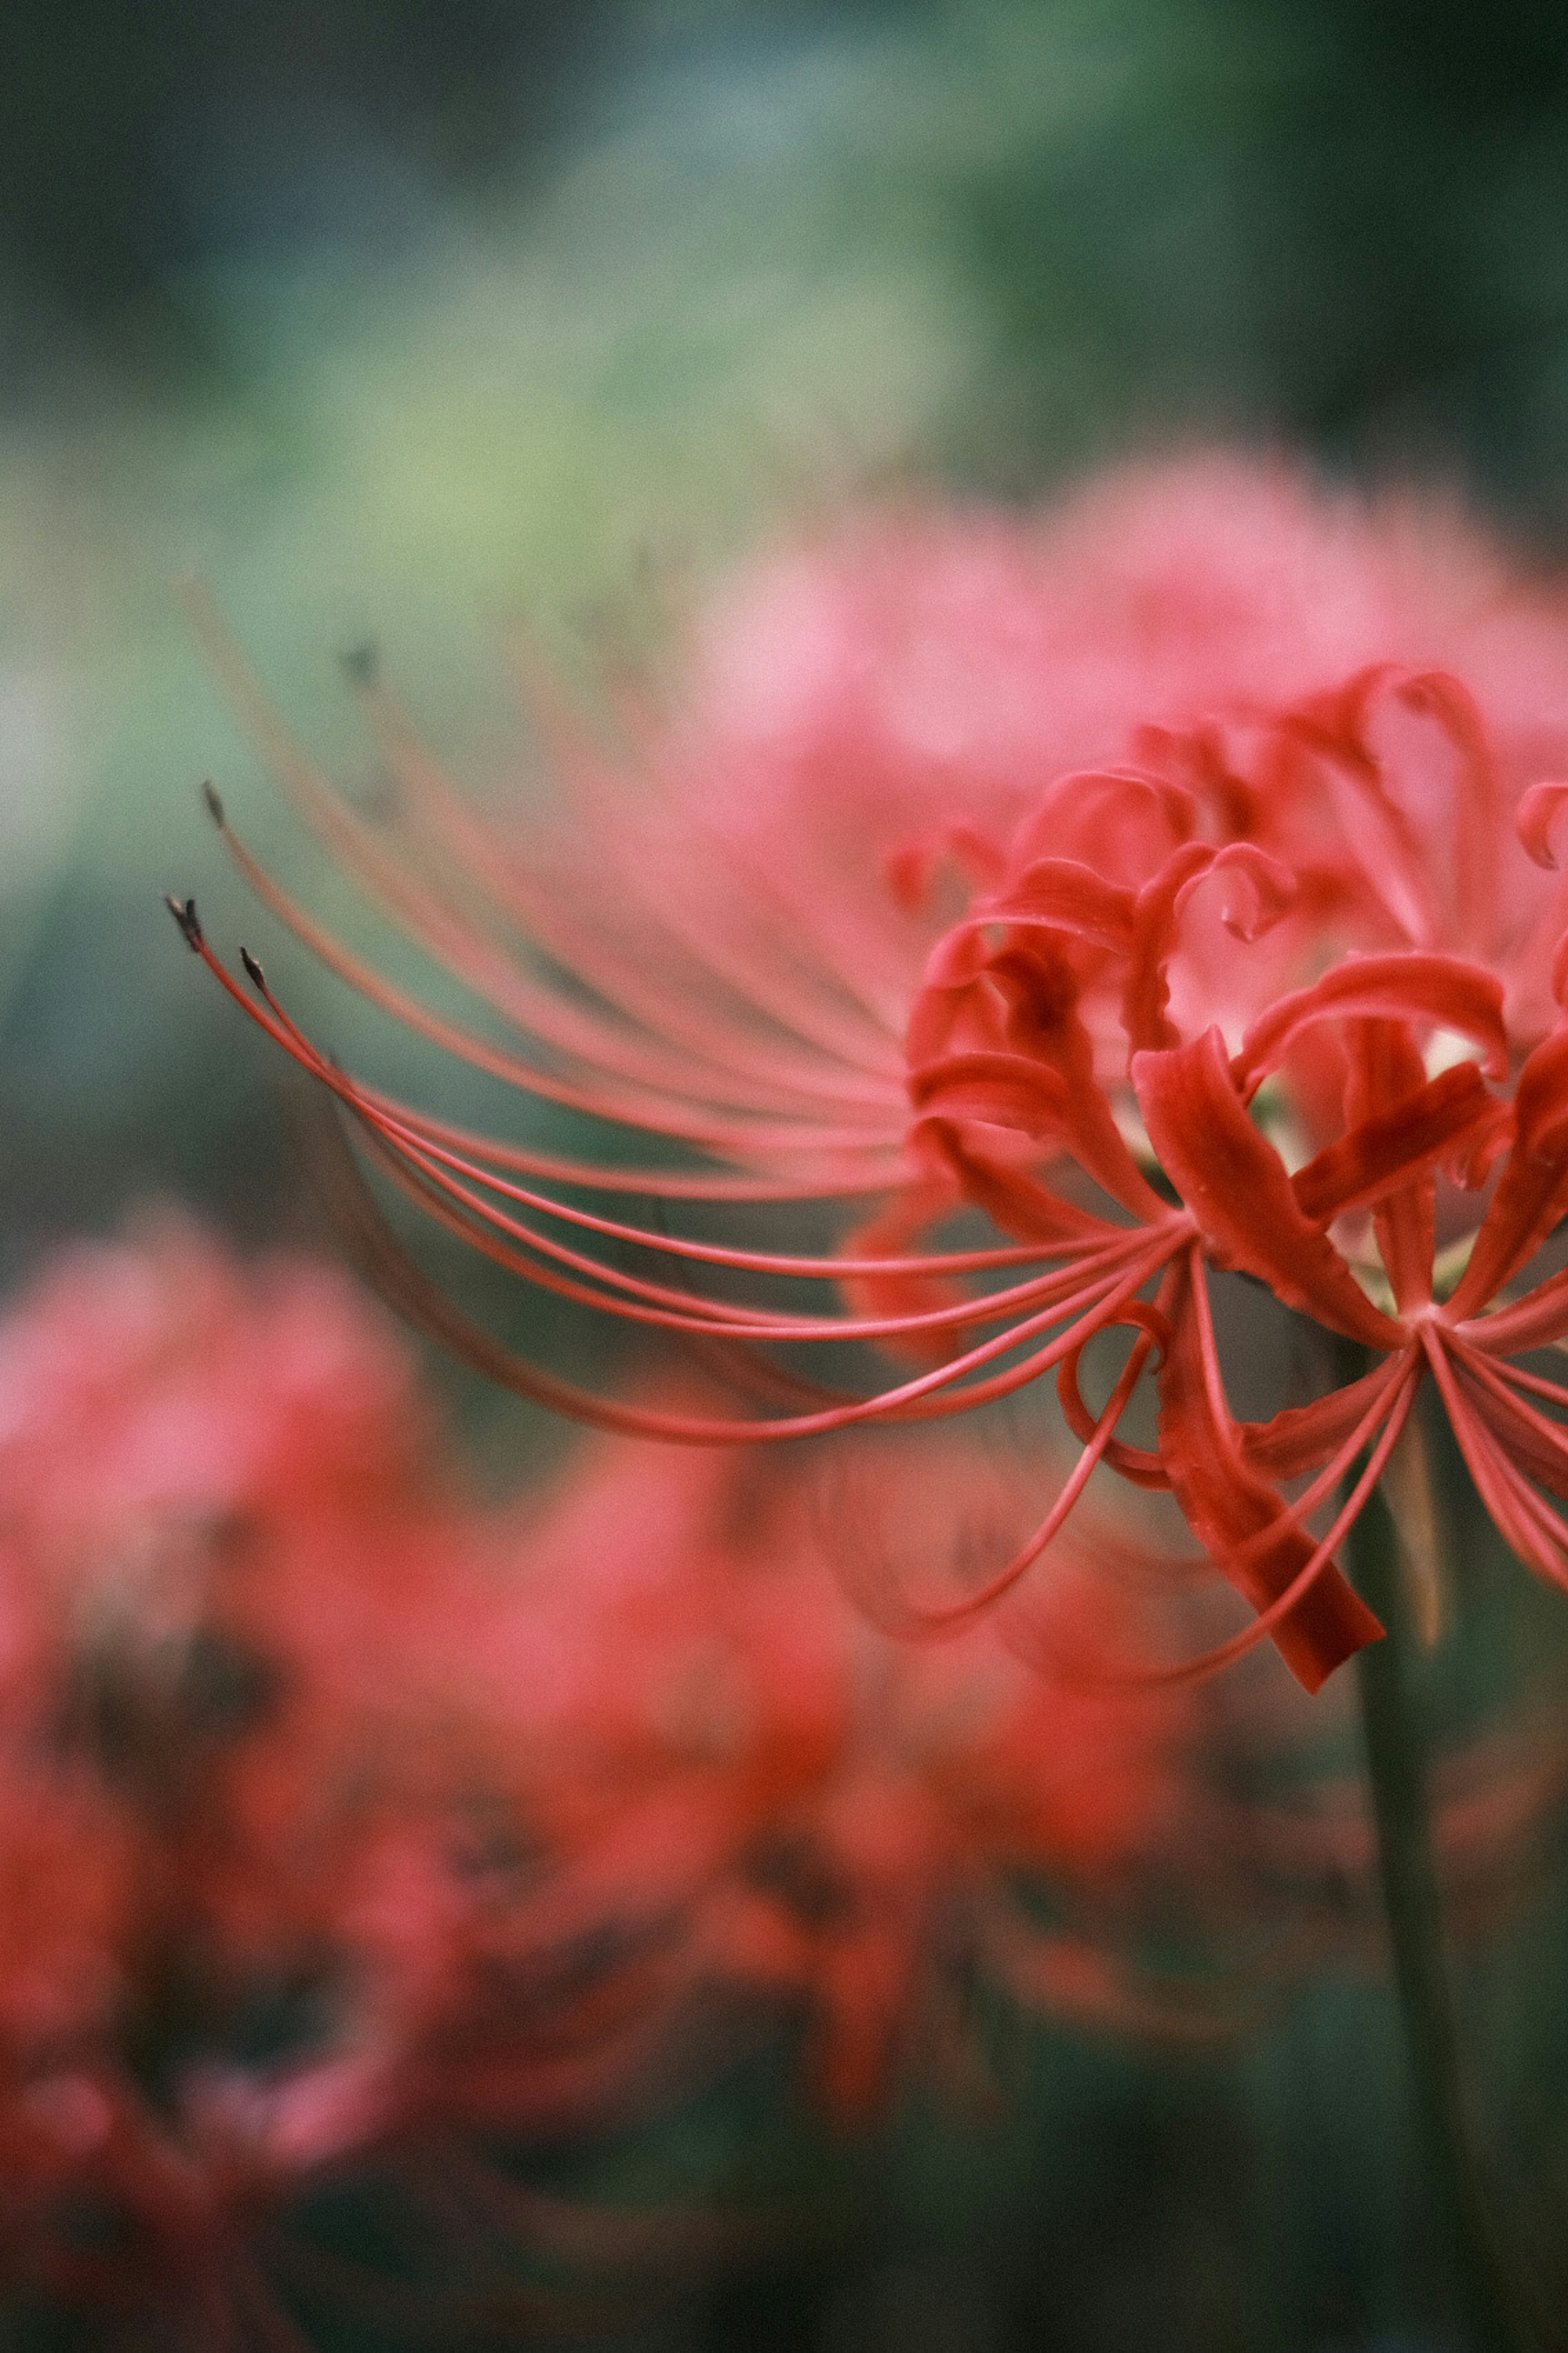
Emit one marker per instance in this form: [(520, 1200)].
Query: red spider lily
[(1001, 1058), (1318, 894), (245, 1931), (727, 1769)]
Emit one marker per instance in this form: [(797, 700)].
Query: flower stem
[(1396, 1765)]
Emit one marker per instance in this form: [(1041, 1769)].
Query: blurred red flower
[(731, 1771), (233, 1567), (343, 1820)]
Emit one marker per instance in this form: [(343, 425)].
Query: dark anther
[(362, 663), (215, 806), (184, 914), (254, 973)]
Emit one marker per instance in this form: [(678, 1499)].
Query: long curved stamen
[(748, 1046), (900, 1615), (404, 1141), (447, 933), (1526, 1521), (1211, 1661), (483, 1227), (1536, 1321), (406, 1286), (1034, 1307), (740, 1129), (488, 858), (1296, 1510), (444, 1165), (1505, 1380), (805, 914), (823, 1182)]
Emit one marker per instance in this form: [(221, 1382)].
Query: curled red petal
[(1068, 896), (1096, 803), (1003, 1090), (1234, 1183), (1418, 984), (947, 989), (1257, 892), (1302, 1437), (1001, 1183), (1156, 918), (1396, 1144), (1037, 1079), (1260, 890), (1040, 990), (1227, 1507), (1532, 1190), (1535, 820)]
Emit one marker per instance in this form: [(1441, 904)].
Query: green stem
[(1397, 1765)]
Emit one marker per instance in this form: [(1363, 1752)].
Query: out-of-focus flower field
[(470, 1883)]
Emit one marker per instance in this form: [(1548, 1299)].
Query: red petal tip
[(1536, 819)]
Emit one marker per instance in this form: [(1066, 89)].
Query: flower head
[(1167, 882)]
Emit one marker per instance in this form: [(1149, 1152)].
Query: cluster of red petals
[(344, 1820), (250, 1929), (767, 1798), (1168, 881), (338, 1814), (1323, 1138)]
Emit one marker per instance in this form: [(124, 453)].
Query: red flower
[(1004, 1073), (740, 1787), (1278, 897), (237, 1596)]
